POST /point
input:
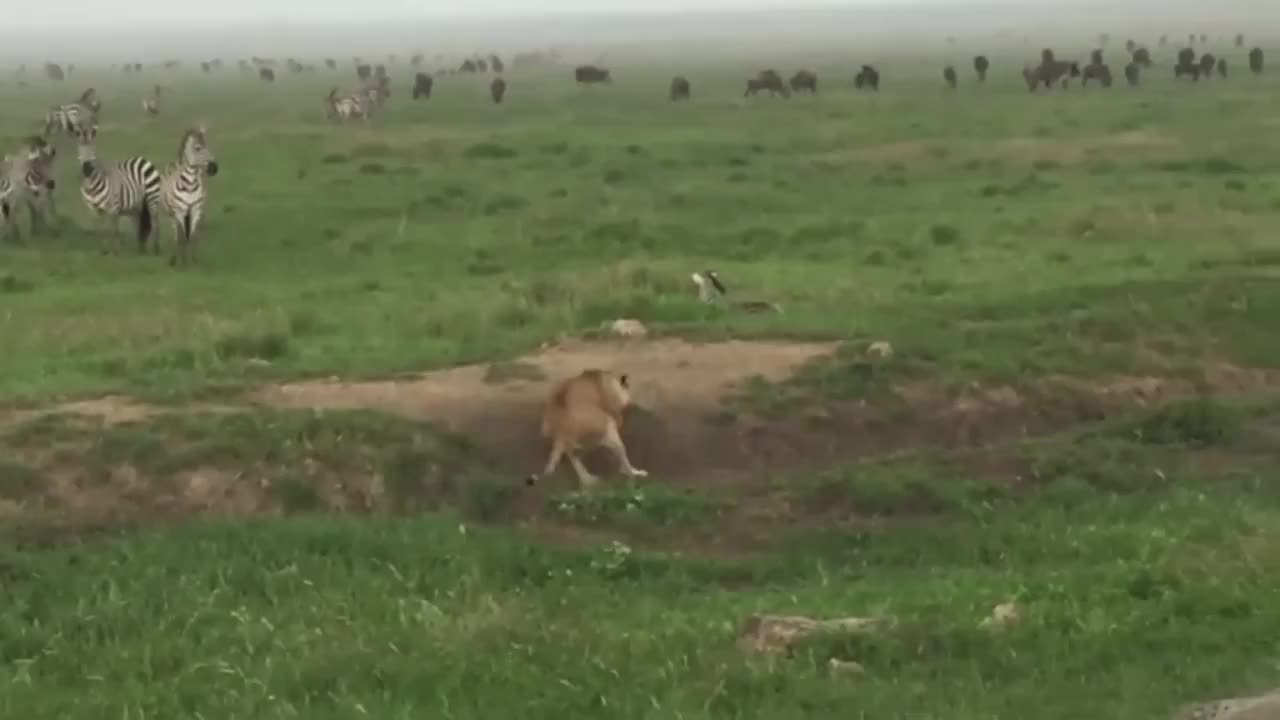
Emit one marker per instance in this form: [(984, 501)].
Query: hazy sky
[(100, 14)]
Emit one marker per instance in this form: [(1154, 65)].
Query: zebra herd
[(132, 187)]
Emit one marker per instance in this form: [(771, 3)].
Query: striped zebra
[(130, 187), (21, 177), (346, 107), (183, 191), (68, 119)]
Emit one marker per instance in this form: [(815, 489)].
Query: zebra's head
[(40, 155), (89, 99), (87, 148), (195, 151)]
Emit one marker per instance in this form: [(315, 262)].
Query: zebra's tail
[(144, 226)]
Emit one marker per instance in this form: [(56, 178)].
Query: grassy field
[(1079, 413)]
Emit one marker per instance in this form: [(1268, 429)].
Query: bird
[(710, 288)]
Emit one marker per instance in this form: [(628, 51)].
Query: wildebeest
[(204, 67), (590, 75), (1133, 74), (331, 63), (980, 66), (1204, 38), (1130, 45), (804, 81), (495, 63), (422, 84), (1142, 57), (1096, 71), (1051, 72), (380, 71), (482, 65), (468, 66), (1222, 68), (54, 71), (363, 72), (1240, 40), (767, 80), (868, 78), (949, 76), (680, 89), (266, 74), (1207, 63), (498, 90), (1255, 60), (1095, 57)]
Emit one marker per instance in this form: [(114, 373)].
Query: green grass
[(392, 569)]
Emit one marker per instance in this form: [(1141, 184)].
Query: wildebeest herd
[(138, 189)]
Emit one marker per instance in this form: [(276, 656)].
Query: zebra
[(130, 187), (347, 106), (71, 117), (183, 192), (25, 175)]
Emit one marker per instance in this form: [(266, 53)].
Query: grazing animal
[(54, 72), (183, 192), (417, 60), (1207, 63), (1142, 57), (1222, 68), (363, 72), (804, 81), (130, 187), (1164, 40), (1051, 72), (590, 75), (680, 89), (331, 63), (1133, 74), (767, 80), (1192, 71), (346, 107), (422, 85), (68, 119), (949, 76), (24, 178), (868, 78), (267, 75), (497, 90), (1186, 56), (151, 105), (468, 66), (980, 66), (496, 64), (1130, 45), (1240, 40), (1096, 71), (376, 94), (711, 290), (1255, 60), (584, 412)]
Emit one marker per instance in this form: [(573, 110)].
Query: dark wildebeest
[(1053, 72), (868, 78), (1095, 57), (680, 89), (363, 73), (495, 63), (1133, 74), (468, 66), (1255, 60), (1191, 70), (1096, 71), (416, 60), (767, 80), (1240, 40), (331, 63), (1046, 56), (482, 65), (949, 75), (54, 71), (422, 84), (1207, 63), (1222, 68), (1204, 38), (980, 66), (380, 71), (204, 67), (590, 75), (1191, 39), (266, 74), (804, 81), (1130, 45), (498, 90), (1142, 57)]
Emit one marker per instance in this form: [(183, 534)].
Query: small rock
[(1004, 615), (627, 327), (880, 349), (1263, 707), (777, 633), (847, 668)]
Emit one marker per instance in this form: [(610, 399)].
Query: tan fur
[(583, 412)]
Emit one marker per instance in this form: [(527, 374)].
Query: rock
[(880, 349), (626, 327), (777, 633), (1263, 707), (1004, 615)]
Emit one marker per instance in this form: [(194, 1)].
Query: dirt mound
[(677, 387)]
